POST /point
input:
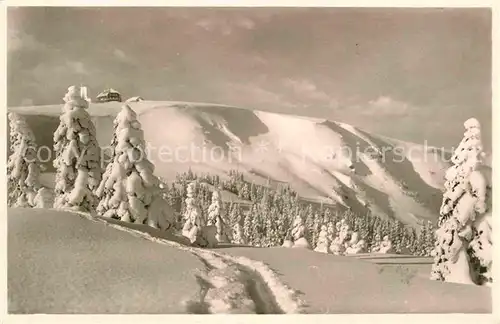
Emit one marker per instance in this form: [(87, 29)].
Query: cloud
[(77, 67), (308, 91), (18, 40), (66, 70), (120, 55), (387, 106), (259, 95)]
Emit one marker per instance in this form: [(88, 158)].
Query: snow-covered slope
[(346, 285), (59, 262), (390, 178)]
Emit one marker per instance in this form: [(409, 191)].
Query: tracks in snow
[(229, 284), (229, 287)]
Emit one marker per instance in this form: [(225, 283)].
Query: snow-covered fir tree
[(129, 191), (464, 207), (256, 226), (299, 233), (23, 168), (386, 246), (195, 223), (237, 234), (77, 158), (323, 244), (317, 223), (309, 223), (216, 217), (481, 247), (330, 228), (272, 234), (247, 227), (244, 193)]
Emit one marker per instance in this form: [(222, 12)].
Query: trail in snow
[(230, 284)]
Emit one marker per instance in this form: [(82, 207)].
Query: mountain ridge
[(321, 159)]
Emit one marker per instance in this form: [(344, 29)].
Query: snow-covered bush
[(462, 251), (23, 168), (77, 155), (129, 191), (216, 216)]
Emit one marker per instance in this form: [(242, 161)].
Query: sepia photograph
[(249, 160)]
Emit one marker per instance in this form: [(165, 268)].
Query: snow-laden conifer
[(217, 217), (323, 244), (298, 233), (464, 216), (77, 158), (23, 167), (129, 190)]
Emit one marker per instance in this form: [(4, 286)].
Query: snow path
[(230, 284)]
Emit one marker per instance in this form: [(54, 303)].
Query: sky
[(411, 74)]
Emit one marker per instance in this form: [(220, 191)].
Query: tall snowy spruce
[(462, 252), (216, 216), (195, 228), (23, 169), (77, 158), (299, 233), (129, 191), (323, 244)]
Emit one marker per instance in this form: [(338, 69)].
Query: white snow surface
[(385, 289), (286, 298)]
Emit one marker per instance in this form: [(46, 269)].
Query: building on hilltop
[(109, 95)]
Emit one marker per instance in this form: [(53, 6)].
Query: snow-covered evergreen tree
[(77, 158), (385, 246), (272, 227), (238, 236), (238, 233), (299, 233), (338, 245), (330, 228), (288, 240), (317, 223), (216, 217), (129, 191), (23, 168), (244, 193), (247, 227), (323, 244), (464, 207), (309, 223), (255, 226), (195, 228), (481, 246)]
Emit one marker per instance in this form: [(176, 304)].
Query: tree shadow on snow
[(153, 232)]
